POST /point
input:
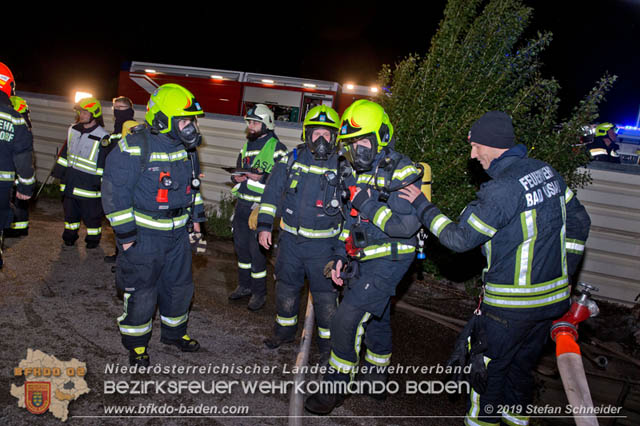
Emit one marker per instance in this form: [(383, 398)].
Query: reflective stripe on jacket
[(301, 195), (80, 165), (251, 190), (16, 149), (532, 230)]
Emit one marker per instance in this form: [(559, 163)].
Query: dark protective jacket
[(598, 150), (116, 135), (134, 194), (251, 190), (112, 142), (382, 228), (532, 229), (81, 163), (299, 191), (16, 149)]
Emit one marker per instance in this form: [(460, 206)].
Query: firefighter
[(379, 233), (306, 181), (122, 113), (20, 225), (257, 157), (150, 197), (16, 152), (80, 167), (533, 230), (604, 146)]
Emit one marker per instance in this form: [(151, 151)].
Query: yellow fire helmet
[(322, 116), (365, 118), (169, 103), (603, 128), (89, 104), (325, 117), (19, 104)]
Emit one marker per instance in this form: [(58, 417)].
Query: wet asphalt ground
[(62, 301)]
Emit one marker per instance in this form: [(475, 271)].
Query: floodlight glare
[(81, 95)]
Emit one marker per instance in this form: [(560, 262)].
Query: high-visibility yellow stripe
[(174, 321), (480, 226)]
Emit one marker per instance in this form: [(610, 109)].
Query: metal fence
[(612, 257)]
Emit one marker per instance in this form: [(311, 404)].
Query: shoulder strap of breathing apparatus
[(293, 157), (385, 169)]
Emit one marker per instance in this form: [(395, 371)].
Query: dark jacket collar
[(4, 99), (506, 159), (80, 127)]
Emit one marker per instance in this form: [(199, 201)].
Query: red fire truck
[(234, 92)]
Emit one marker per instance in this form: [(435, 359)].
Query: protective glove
[(479, 346), (479, 374), (470, 349), (198, 244), (253, 219), (460, 355)]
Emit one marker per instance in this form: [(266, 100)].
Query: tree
[(479, 61)]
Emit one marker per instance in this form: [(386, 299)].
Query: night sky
[(84, 49)]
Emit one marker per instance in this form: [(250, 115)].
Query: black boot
[(374, 382), (16, 233), (374, 386), (139, 356), (256, 302), (274, 341), (239, 293), (323, 403), (185, 343)]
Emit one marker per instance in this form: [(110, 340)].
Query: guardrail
[(612, 259), (612, 255)]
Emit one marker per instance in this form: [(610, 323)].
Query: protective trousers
[(89, 210), (156, 270), (252, 261), (20, 213), (364, 316), (299, 257), (5, 207), (514, 347)]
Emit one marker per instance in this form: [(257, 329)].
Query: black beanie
[(493, 129)]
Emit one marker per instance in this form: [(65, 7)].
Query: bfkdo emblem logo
[(37, 396)]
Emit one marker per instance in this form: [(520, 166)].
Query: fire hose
[(564, 332), (296, 399)]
